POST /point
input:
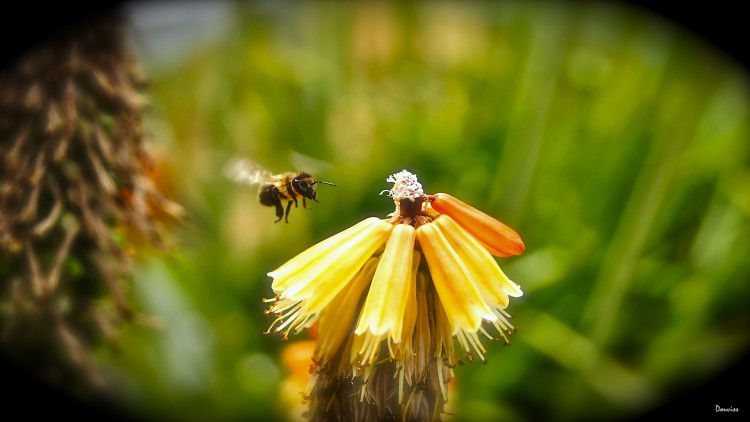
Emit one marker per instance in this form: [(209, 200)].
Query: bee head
[(305, 185)]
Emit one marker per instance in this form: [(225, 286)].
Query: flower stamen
[(280, 318)]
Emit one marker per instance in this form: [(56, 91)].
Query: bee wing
[(242, 170), (309, 164)]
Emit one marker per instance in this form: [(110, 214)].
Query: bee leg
[(276, 202), (279, 210), (304, 203), (288, 208)]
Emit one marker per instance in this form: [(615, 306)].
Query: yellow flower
[(390, 296)]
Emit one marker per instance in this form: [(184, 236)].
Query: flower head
[(391, 294)]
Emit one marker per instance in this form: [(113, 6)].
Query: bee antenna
[(326, 183)]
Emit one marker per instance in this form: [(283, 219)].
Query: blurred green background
[(614, 142)]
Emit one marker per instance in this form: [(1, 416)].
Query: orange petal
[(296, 358), (498, 238)]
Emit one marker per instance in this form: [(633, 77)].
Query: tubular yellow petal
[(410, 337), (384, 308), (491, 281), (498, 238), (457, 290), (321, 281), (441, 333), (410, 313), (314, 253), (337, 319), (345, 256), (427, 312)]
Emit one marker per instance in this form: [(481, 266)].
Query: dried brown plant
[(77, 189)]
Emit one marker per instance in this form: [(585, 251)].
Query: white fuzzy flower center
[(405, 186)]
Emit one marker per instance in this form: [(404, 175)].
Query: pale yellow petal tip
[(485, 315), (374, 330), (513, 289)]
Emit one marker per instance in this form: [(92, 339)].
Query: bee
[(275, 189)]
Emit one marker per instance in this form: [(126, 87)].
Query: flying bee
[(275, 188)]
